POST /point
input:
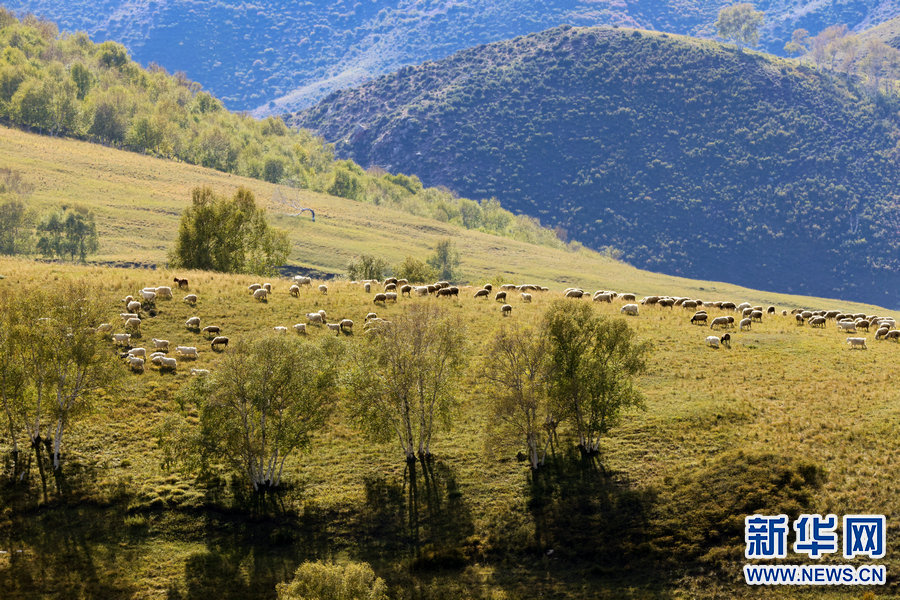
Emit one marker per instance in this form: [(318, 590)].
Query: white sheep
[(745, 324), (712, 341), (136, 364), (390, 296), (335, 327), (300, 328), (133, 324), (220, 340), (190, 299), (199, 371), (526, 297), (261, 295), (148, 295), (281, 329), (848, 326), (346, 324), (104, 328), (323, 288), (301, 280), (253, 287), (857, 342), (134, 306), (371, 315), (368, 287), (126, 316), (719, 321), (190, 351), (122, 339), (167, 363), (164, 292), (155, 355), (294, 291), (267, 287), (142, 352), (315, 318), (193, 323), (630, 309)]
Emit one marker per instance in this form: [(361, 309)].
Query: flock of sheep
[(143, 304)]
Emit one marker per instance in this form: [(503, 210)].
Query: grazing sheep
[(321, 312), (126, 316), (422, 290), (389, 287), (602, 297), (483, 293), (501, 296), (505, 310), (569, 294), (402, 282), (391, 296), (728, 306), (726, 340), (164, 292), (862, 324), (190, 299), (745, 324), (746, 312), (134, 306), (280, 329), (770, 310), (323, 288), (526, 297), (807, 314), (138, 352), (712, 341), (444, 292), (489, 287), (699, 318), (220, 340), (193, 323), (848, 326), (817, 322), (294, 291), (371, 315), (650, 300), (136, 364), (104, 327), (253, 287), (128, 299), (743, 305), (406, 289), (346, 325), (300, 328), (368, 287), (666, 302), (335, 327), (800, 319), (719, 321), (134, 325), (262, 295), (315, 317), (267, 287), (212, 330), (627, 297), (391, 280), (757, 316), (302, 280), (857, 342), (630, 309), (882, 331), (148, 296), (181, 283), (199, 371), (169, 364), (122, 339), (893, 334), (186, 351), (689, 304), (161, 344)]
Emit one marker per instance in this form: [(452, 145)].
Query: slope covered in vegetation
[(282, 55), (688, 156)]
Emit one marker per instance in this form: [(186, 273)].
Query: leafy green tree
[(31, 104), (82, 78), (799, 44), (15, 227), (347, 181), (517, 370), (228, 235), (328, 581), (405, 375), (740, 23), (68, 232), (366, 266), (112, 55), (261, 405), (415, 270), (445, 260), (593, 363)]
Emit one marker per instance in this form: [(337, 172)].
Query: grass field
[(138, 201), (127, 528)]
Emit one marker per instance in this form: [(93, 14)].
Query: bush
[(328, 581), (366, 266), (415, 270)]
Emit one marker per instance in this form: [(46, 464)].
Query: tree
[(415, 270), (12, 370), (328, 581), (366, 266), (799, 44), (262, 404), (740, 23), (228, 235), (445, 260), (68, 232), (405, 375), (347, 181), (593, 362), (517, 368)]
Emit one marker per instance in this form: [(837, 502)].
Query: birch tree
[(12, 373), (264, 403), (405, 378), (516, 367), (593, 362)]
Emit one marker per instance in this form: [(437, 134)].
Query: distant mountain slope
[(690, 157), (888, 32), (291, 54)]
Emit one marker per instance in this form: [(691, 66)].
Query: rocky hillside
[(281, 55), (687, 156)]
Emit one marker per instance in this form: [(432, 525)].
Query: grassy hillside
[(788, 419), (138, 201), (690, 157), (278, 56)]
